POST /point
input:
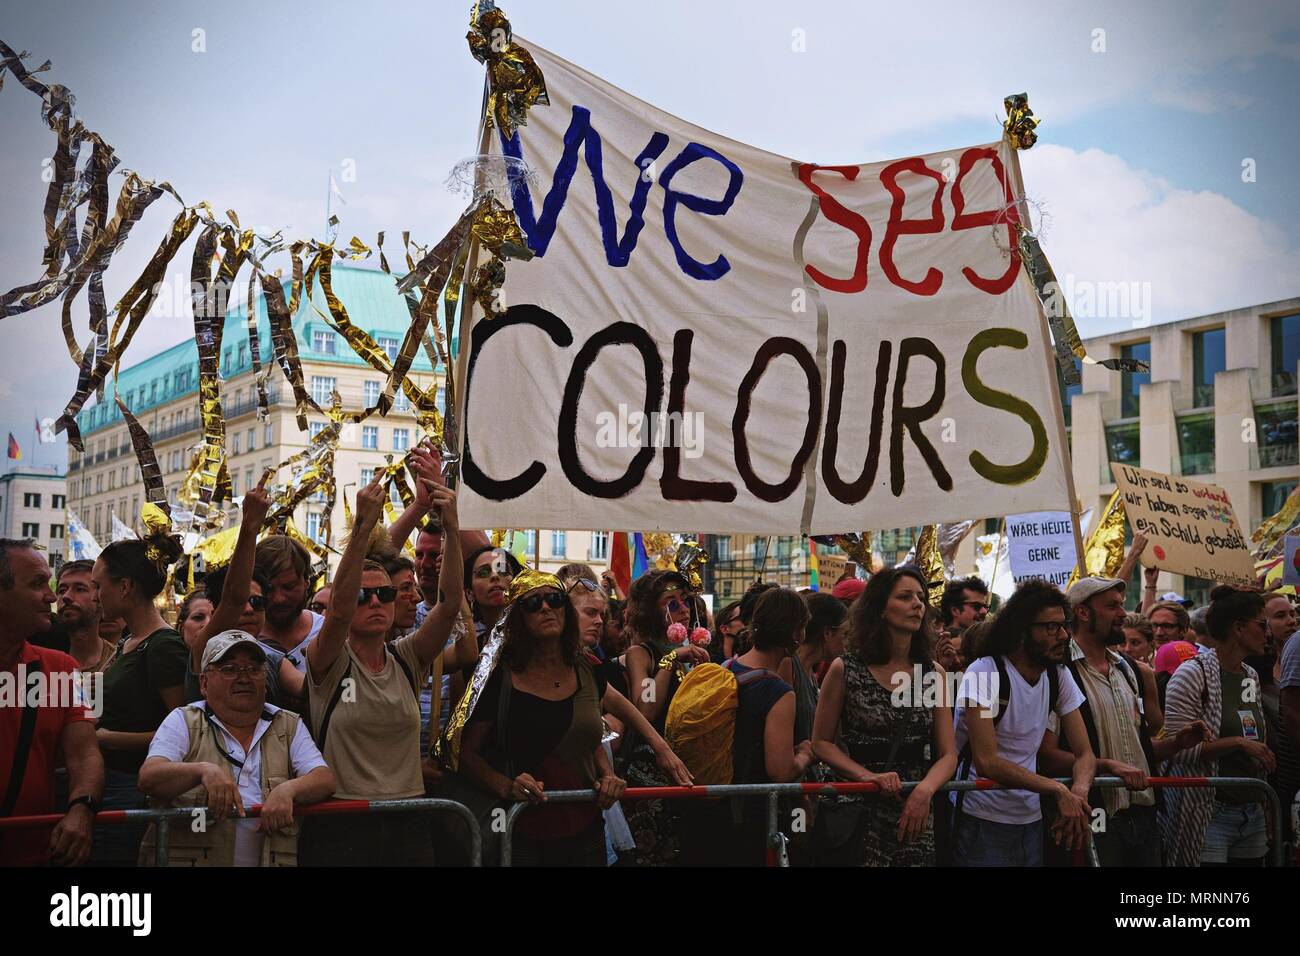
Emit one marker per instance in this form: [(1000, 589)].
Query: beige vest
[(216, 846)]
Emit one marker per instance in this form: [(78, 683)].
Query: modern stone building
[(33, 505)]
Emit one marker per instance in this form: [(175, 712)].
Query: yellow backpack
[(701, 722)]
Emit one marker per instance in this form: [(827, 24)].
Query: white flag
[(993, 564), (122, 532), (82, 545), (335, 191), (46, 431)]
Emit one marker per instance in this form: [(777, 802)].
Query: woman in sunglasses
[(372, 742), (537, 726), (237, 596), (1220, 827)]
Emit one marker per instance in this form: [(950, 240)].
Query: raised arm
[(1131, 559), (234, 594), (432, 636), (325, 649)]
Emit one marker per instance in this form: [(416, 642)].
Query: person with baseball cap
[(227, 753)]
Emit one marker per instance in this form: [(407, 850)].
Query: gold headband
[(530, 580)]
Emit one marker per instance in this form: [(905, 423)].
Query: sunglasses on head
[(386, 593), (587, 583), (533, 602), (257, 602)]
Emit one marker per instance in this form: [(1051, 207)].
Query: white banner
[(1041, 545), (718, 338)]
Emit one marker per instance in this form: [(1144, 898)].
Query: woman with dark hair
[(767, 748), (865, 735), (537, 724), (614, 641), (488, 573), (195, 612), (655, 601), (1220, 827), (145, 682), (821, 642)]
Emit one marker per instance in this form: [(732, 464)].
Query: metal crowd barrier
[(773, 792), (165, 817)]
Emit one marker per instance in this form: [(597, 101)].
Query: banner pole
[(1049, 356)]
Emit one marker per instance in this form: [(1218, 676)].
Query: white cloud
[(1200, 252)]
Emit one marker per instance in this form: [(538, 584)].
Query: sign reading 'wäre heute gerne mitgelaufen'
[(1190, 525)]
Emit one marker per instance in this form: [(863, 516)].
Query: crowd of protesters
[(464, 674)]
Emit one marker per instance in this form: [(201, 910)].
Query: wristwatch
[(91, 803)]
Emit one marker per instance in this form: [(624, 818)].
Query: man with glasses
[(1169, 622), (1001, 716), (227, 753), (965, 602)]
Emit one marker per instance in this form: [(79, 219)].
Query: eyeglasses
[(257, 602), (1162, 626), (1052, 628), (387, 594), (977, 605), (675, 605), (1261, 622), (231, 671), (587, 583), (533, 602)]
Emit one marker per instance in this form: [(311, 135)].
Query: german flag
[(15, 453)]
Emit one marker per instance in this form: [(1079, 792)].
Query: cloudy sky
[(1165, 156)]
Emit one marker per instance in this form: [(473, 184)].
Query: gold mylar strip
[(150, 473)]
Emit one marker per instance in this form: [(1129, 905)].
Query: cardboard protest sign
[(714, 337), (1191, 526), (1041, 545)]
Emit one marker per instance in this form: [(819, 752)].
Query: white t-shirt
[(172, 742), (1019, 734), (297, 656)]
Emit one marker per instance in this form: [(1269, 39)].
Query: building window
[(234, 484), (31, 530), (367, 476), (1123, 445), (248, 478), (99, 482), (31, 499), (783, 544), (268, 435), (58, 502), (135, 504), (1209, 357), (322, 341), (1273, 495), (440, 400), (234, 444), (1196, 444), (314, 527), (241, 355), (1131, 382), (530, 541), (56, 531), (315, 428), (322, 386), (389, 345), (558, 541), (724, 547), (401, 439), (370, 436), (400, 402), (600, 545), (1285, 340), (252, 439), (371, 394), (1276, 432)]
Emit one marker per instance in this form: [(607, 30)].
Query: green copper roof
[(372, 305)]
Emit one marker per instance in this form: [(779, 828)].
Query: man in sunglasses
[(227, 753)]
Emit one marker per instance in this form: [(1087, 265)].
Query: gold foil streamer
[(161, 546), (496, 229), (689, 560), (1020, 123), (218, 549), (1103, 552), (1065, 336), (1270, 531), (150, 474), (930, 562), (515, 82), (285, 343), (448, 745), (255, 350)]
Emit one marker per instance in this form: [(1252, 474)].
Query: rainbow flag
[(814, 568), (627, 558)]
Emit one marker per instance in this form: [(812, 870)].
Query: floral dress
[(869, 725)]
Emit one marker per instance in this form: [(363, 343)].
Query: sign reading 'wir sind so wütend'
[(1191, 526)]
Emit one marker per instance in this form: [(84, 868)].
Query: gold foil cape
[(449, 742), (1020, 123), (930, 563), (1268, 536), (515, 82), (1103, 552), (530, 580)]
